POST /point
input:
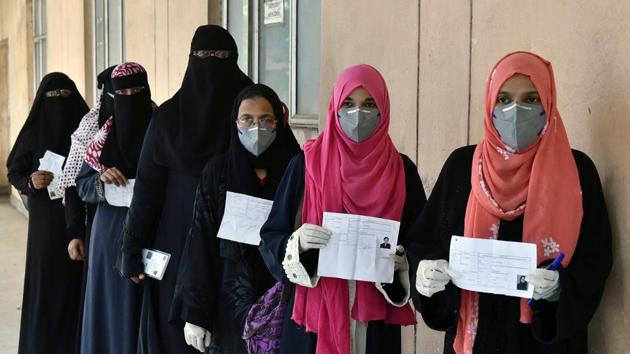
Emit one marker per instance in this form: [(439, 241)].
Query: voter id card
[(155, 263)]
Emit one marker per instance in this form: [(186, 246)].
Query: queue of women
[(221, 134)]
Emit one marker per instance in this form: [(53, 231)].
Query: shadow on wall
[(607, 125)]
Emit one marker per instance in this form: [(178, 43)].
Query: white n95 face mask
[(359, 123), (256, 140), (519, 124)]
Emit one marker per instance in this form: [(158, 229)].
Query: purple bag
[(263, 325)]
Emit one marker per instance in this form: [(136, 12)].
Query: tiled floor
[(13, 226)]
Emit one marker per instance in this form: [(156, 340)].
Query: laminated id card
[(155, 263)]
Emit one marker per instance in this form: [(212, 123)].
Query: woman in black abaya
[(187, 130), (52, 282)]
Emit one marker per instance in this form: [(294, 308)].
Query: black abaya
[(168, 173), (52, 282), (219, 279)]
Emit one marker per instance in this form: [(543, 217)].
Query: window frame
[(296, 118), (106, 36), (39, 42)]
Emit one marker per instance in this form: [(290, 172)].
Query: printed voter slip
[(53, 163), (492, 266), (243, 217), (155, 263)]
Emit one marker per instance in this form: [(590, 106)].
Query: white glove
[(546, 284), (312, 237), (197, 336), (432, 276), (401, 263)]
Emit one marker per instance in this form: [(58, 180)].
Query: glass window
[(308, 49), (274, 53), (238, 25), (108, 33), (279, 45), (39, 41)]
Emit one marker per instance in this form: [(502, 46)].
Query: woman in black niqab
[(52, 282), (187, 130), (196, 128)]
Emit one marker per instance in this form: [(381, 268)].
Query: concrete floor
[(13, 227)]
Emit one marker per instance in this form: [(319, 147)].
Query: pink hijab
[(505, 184), (343, 176)]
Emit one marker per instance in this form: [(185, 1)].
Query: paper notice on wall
[(273, 12)]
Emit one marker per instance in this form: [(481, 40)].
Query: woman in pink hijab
[(352, 167), (521, 183)]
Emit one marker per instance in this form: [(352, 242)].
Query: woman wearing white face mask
[(522, 183), (352, 168), (220, 279)]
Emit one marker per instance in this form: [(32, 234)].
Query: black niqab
[(107, 101), (51, 120), (194, 124), (132, 114)]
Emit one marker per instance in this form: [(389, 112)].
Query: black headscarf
[(194, 124), (107, 101), (241, 177), (51, 120), (132, 114)]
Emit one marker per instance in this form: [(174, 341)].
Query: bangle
[(29, 184), (98, 185)]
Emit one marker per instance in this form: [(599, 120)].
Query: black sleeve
[(196, 291), (442, 216), (76, 213), (583, 281), (19, 174), (415, 198), (281, 222), (146, 206)]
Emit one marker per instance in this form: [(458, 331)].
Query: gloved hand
[(546, 284), (197, 336), (312, 237), (432, 276), (400, 260)]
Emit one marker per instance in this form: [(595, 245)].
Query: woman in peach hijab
[(522, 183)]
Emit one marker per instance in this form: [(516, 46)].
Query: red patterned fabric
[(126, 69), (94, 148)]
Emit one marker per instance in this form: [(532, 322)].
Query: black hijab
[(132, 114), (107, 101), (194, 124), (51, 120), (241, 177)]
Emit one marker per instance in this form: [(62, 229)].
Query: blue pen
[(553, 266)]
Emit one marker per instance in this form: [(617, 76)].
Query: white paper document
[(492, 266), (119, 196), (52, 162), (155, 263), (243, 217), (359, 248)]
